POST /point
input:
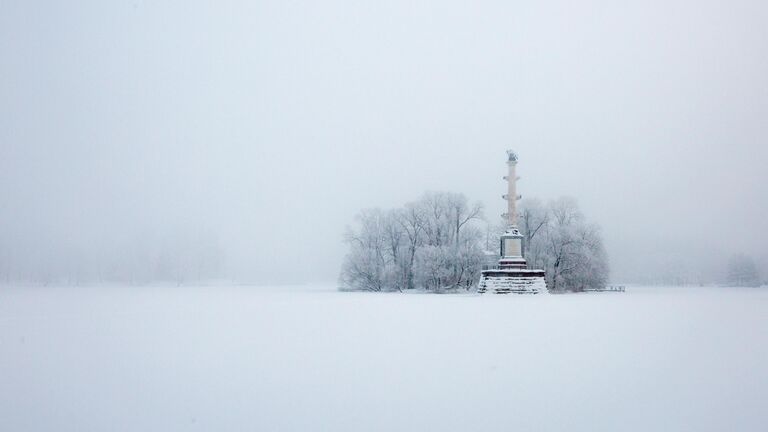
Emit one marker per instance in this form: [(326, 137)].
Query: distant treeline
[(181, 258)]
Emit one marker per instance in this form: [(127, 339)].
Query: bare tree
[(533, 220), (412, 221), (364, 267), (437, 222), (742, 271)]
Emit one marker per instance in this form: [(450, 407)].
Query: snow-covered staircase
[(512, 282)]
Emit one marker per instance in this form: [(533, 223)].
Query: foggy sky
[(261, 128)]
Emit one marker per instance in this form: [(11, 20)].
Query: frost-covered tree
[(742, 271), (366, 267), (431, 243), (533, 221), (470, 257), (412, 220), (432, 267), (559, 239)]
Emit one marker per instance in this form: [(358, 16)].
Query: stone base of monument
[(512, 281)]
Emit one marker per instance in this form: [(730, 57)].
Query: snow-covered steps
[(512, 281)]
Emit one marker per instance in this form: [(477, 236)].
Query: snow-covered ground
[(312, 359)]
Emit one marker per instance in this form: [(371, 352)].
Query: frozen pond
[(310, 359)]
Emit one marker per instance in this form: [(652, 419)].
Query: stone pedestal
[(512, 281), (511, 246)]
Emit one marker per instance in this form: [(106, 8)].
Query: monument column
[(511, 241), (512, 274), (512, 189)]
